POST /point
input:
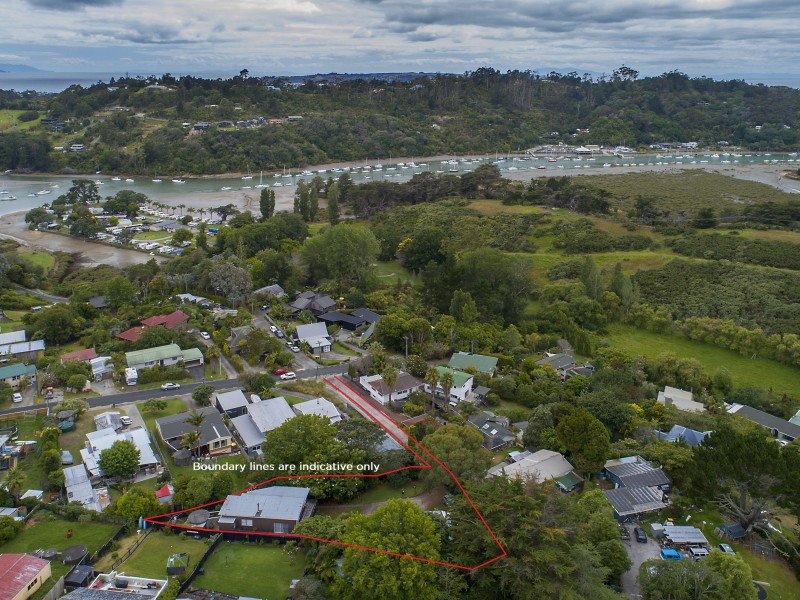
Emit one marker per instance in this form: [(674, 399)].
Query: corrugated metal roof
[(17, 571), (481, 362), (277, 502), (17, 370), (248, 431), (270, 414), (139, 357), (633, 501), (319, 406)]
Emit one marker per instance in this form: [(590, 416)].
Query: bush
[(237, 363), (156, 374)]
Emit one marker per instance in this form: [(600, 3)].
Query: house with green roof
[(163, 356), (480, 362), (462, 385), (13, 374)]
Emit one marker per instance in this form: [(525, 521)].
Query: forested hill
[(145, 126)]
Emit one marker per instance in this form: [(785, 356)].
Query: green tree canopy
[(120, 460)]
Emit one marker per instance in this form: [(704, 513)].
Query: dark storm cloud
[(67, 5)]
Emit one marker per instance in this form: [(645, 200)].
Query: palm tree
[(196, 419), (432, 378), (181, 206), (446, 381), (15, 483), (389, 377), (212, 354), (191, 441)]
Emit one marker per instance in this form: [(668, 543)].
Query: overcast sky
[(698, 37)]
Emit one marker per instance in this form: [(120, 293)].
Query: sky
[(716, 38)]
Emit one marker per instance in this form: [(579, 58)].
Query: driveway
[(638, 553)]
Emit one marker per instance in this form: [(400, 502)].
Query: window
[(281, 528), (247, 522)]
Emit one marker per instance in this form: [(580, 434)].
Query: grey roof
[(368, 333), (248, 431), (98, 301), (232, 400), (22, 347), (311, 331), (489, 426), (270, 414), (481, 390), (277, 502), (318, 406), (679, 433), (105, 438), (684, 534), (557, 361), (238, 335), (632, 501), (109, 419), (79, 488), (366, 314), (175, 426), (312, 301), (639, 473), (766, 420), (12, 337), (89, 594), (274, 290)]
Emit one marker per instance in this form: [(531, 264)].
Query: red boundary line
[(426, 465)]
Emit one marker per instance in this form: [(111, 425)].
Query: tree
[(228, 210), (201, 238), (9, 528), (680, 580), (76, 383), (389, 376), (344, 254), (333, 203), (705, 219), (623, 287), (36, 216), (313, 203), (135, 503), (15, 483), (83, 191), (462, 308), (78, 405), (235, 282), (447, 381), (398, 526), (57, 325), (424, 247), (735, 573), (120, 460), (120, 292), (196, 420), (432, 379), (213, 353), (586, 439), (461, 450), (181, 236), (153, 405), (202, 394), (266, 203)]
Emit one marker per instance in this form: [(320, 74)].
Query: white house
[(315, 335), (680, 399), (402, 388), (461, 388), (318, 406)]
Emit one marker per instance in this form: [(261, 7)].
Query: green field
[(258, 571), (150, 558), (13, 320), (392, 272), (759, 372), (8, 120), (43, 259)]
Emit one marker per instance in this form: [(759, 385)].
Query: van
[(670, 554), (698, 552), (640, 535)]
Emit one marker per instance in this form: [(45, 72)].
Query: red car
[(281, 371)]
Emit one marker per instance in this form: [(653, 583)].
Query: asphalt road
[(42, 295)]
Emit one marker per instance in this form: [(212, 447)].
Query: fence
[(56, 590), (214, 543), (104, 548), (130, 551)]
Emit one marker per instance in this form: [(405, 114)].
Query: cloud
[(68, 5)]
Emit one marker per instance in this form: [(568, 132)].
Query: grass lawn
[(152, 236), (13, 321), (391, 271), (259, 571), (150, 558), (342, 349), (383, 491), (43, 532), (43, 259), (759, 372)]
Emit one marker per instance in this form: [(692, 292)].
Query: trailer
[(131, 376)]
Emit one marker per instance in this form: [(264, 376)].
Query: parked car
[(726, 548), (289, 375), (17, 397), (265, 306), (205, 335), (279, 334), (670, 554), (273, 329), (280, 371), (126, 420), (295, 349), (640, 535), (170, 386)]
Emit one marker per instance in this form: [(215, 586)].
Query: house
[(367, 315), (631, 502), (238, 337), (80, 490), (680, 399), (315, 335), (679, 433), (319, 406), (565, 365), (248, 435), (79, 356), (101, 366), (131, 335), (109, 419), (272, 290), (495, 429), (21, 575), (270, 414), (344, 320), (402, 388), (15, 345), (634, 471), (313, 302), (779, 429), (276, 509), (170, 321), (795, 420), (540, 466), (14, 374), (684, 535), (233, 404), (11, 512), (164, 493), (119, 586), (97, 441), (480, 362), (190, 298), (215, 437), (163, 356), (462, 384)]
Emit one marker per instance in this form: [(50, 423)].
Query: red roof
[(169, 321), (131, 335), (164, 491), (79, 355), (17, 571)]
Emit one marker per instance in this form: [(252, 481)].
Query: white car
[(205, 335), (171, 386), (273, 329), (289, 375), (126, 420), (295, 349), (17, 397)]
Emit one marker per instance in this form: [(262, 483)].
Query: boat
[(261, 183), (178, 181), (98, 182), (44, 192), (116, 179), (225, 189), (156, 181), (129, 180), (247, 187), (32, 195), (9, 198)]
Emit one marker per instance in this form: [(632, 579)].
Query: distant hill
[(9, 68)]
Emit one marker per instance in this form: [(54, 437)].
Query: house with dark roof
[(634, 471), (215, 438), (366, 314), (313, 302), (779, 428), (377, 388), (678, 433), (99, 302), (238, 337), (565, 365), (233, 403), (344, 320), (631, 502), (495, 429), (480, 362), (21, 575), (276, 509)]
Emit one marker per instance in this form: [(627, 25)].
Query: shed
[(79, 576), (685, 535)]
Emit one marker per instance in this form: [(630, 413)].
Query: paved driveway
[(638, 553)]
